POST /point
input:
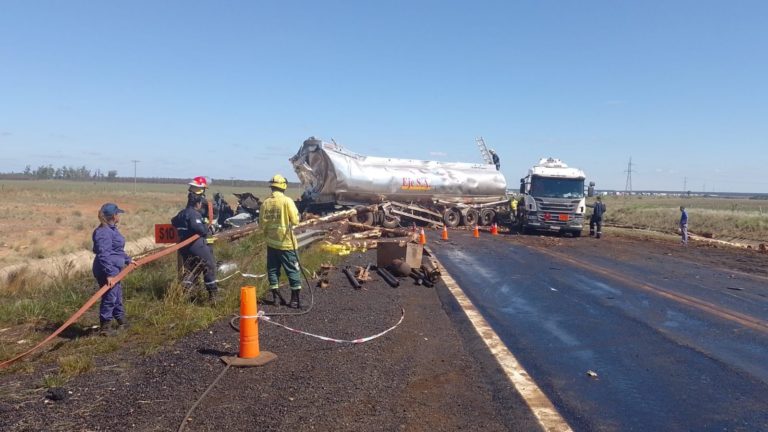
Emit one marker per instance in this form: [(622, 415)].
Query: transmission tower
[(629, 171)]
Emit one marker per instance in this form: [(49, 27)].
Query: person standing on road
[(513, 207), (110, 259), (598, 210), (278, 217), (197, 254), (683, 226)]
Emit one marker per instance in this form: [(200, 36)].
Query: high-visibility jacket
[(278, 214)]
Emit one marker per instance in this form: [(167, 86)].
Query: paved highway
[(675, 345)]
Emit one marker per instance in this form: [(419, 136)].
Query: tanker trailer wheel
[(451, 217), (486, 216), (470, 217), (390, 221), (362, 218)]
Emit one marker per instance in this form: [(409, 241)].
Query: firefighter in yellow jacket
[(278, 216)]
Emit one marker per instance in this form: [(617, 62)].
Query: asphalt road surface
[(677, 337)]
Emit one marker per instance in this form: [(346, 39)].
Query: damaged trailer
[(403, 191)]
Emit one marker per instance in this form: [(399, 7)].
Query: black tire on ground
[(451, 217), (390, 222), (576, 233), (362, 218), (470, 217), (486, 217)]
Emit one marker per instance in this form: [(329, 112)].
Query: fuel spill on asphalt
[(673, 345)]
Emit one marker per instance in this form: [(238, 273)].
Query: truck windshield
[(551, 187)]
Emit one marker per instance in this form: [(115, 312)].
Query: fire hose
[(96, 296)]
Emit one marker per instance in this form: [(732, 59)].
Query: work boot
[(597, 235), (277, 296), (213, 297), (122, 324), (295, 301), (105, 328), (591, 233)]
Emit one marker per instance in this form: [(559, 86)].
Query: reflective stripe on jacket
[(278, 213)]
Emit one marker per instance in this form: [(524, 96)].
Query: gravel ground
[(432, 373)]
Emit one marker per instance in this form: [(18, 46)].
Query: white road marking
[(540, 405)]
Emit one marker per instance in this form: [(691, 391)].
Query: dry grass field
[(722, 218), (41, 219)]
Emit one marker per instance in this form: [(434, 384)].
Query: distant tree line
[(48, 172), (67, 173)]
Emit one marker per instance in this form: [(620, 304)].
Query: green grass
[(157, 308)]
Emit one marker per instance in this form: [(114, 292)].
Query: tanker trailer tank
[(427, 191)]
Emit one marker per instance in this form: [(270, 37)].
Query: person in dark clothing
[(109, 247), (197, 256), (683, 226), (598, 210), (495, 159)]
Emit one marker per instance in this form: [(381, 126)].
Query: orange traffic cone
[(422, 237), (250, 354), (445, 233), (476, 232), (494, 229)]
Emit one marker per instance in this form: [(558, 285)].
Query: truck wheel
[(362, 218), (470, 217), (486, 217), (390, 221), (451, 217)]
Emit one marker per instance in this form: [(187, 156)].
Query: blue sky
[(231, 89)]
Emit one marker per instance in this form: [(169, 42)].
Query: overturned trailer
[(403, 190)]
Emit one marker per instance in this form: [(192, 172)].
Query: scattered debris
[(592, 374), (57, 394), (735, 288)]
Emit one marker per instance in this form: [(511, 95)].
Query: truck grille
[(557, 212)]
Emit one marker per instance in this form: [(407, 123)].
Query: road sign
[(166, 233)]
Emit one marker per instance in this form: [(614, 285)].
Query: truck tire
[(390, 221), (470, 217), (362, 218), (451, 217), (486, 216)]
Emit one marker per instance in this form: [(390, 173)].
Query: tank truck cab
[(553, 198)]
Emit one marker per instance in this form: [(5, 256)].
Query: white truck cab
[(553, 198)]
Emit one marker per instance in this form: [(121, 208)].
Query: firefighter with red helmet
[(198, 187)]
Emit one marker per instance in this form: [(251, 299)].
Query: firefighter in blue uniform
[(197, 256)]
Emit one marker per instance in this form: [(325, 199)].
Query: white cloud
[(438, 153)]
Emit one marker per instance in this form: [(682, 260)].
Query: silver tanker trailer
[(405, 190)]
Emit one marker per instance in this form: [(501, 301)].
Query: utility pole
[(628, 185), (134, 174)]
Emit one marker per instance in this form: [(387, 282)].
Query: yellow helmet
[(279, 182)]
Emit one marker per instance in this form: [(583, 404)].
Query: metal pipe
[(388, 278), (351, 278)]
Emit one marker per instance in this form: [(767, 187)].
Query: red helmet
[(200, 182)]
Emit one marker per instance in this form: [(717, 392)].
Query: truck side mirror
[(591, 189)]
